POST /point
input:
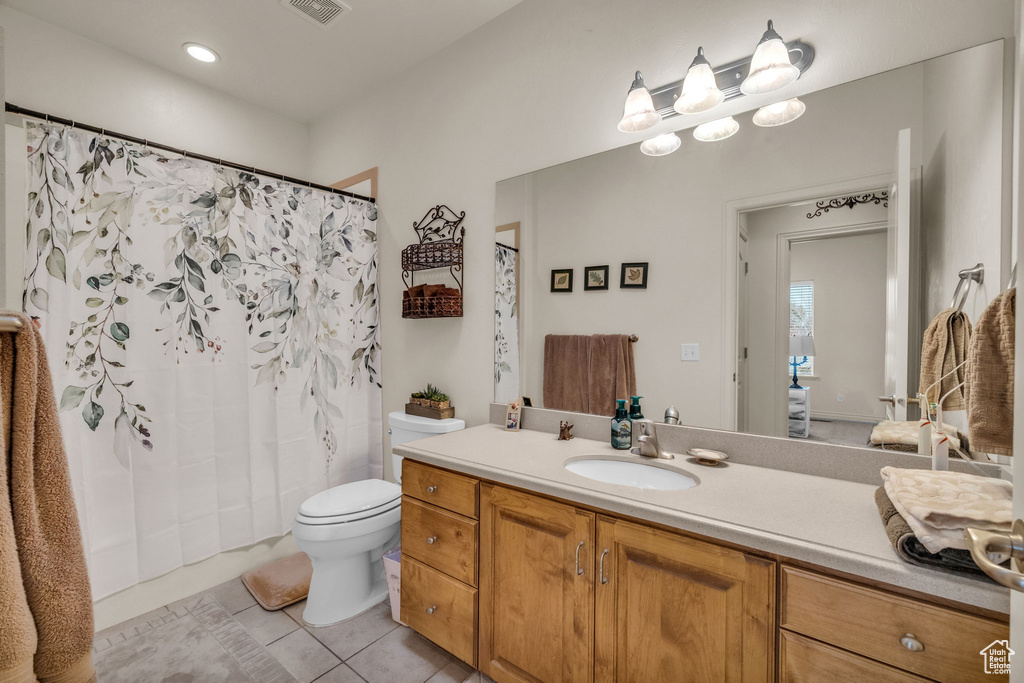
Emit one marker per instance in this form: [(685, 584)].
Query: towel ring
[(963, 287)]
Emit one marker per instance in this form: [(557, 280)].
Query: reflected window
[(801, 320)]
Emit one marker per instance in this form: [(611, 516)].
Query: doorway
[(823, 279)]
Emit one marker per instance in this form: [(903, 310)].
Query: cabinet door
[(671, 608), (536, 599)]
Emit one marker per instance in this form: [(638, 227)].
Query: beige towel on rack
[(944, 347), (990, 377), (566, 372), (612, 372), (46, 625)]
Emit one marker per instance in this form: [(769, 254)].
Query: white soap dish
[(707, 457)]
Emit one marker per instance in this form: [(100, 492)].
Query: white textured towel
[(938, 506), (905, 433)]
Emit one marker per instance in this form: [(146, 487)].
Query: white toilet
[(346, 530)]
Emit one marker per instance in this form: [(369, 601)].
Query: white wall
[(766, 371), (849, 323), (622, 206), (543, 84), (963, 194), (56, 72)]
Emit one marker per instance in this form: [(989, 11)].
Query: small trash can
[(393, 572)]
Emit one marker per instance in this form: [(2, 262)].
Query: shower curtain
[(506, 326), (213, 337)]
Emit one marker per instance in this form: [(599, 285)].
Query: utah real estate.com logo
[(997, 657)]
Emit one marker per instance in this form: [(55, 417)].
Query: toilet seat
[(350, 502)]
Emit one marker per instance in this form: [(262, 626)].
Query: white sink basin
[(630, 473)]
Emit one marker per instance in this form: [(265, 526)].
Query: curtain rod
[(21, 111)]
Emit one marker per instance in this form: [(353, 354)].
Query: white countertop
[(832, 523)]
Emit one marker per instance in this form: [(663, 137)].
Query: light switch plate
[(689, 352)]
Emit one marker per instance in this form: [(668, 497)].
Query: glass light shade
[(639, 113), (700, 89), (770, 67), (661, 145), (779, 113), (200, 52), (716, 130)]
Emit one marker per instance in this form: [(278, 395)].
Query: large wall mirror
[(826, 245)]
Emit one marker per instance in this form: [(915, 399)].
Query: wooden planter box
[(428, 411)]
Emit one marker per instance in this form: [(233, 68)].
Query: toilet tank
[(403, 428)]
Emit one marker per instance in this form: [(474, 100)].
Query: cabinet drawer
[(440, 608), (871, 622), (441, 539), (808, 661), (441, 488)]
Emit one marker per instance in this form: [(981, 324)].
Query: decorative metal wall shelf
[(441, 235), (825, 205)]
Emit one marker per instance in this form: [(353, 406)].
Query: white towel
[(905, 433), (938, 506)]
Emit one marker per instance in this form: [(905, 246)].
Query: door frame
[(785, 240), (730, 306)]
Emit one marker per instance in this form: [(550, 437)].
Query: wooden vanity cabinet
[(657, 606), (536, 588), (671, 607)]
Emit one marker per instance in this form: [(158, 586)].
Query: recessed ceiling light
[(200, 52)]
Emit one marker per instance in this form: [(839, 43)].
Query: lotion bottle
[(622, 427)]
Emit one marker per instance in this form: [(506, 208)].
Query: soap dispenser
[(622, 427), (634, 409)]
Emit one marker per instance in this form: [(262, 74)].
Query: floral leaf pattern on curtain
[(214, 342), (233, 242), (506, 326)]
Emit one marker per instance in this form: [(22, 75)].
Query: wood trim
[(369, 174)]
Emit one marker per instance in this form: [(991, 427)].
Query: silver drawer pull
[(432, 540), (431, 489), (579, 569), (600, 572), (430, 610), (910, 642)]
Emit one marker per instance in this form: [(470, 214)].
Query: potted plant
[(432, 397)]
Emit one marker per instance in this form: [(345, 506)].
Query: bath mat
[(203, 645), (280, 583)]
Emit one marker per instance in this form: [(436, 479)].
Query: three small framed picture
[(632, 276)]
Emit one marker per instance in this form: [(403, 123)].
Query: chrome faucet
[(647, 441)]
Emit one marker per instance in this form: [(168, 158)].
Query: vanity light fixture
[(200, 52), (779, 113), (700, 89), (716, 130), (639, 113), (770, 67), (661, 145)]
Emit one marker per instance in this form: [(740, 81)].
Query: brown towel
[(587, 374), (990, 377), (45, 601), (280, 583), (566, 370), (944, 347), (912, 550), (612, 373)]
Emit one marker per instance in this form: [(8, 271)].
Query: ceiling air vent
[(323, 13)]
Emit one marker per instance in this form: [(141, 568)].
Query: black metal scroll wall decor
[(825, 205), (441, 234)]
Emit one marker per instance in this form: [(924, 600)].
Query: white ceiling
[(270, 56)]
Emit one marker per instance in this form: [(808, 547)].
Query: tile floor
[(223, 635)]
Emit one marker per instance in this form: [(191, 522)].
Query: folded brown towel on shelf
[(990, 377), (566, 382), (912, 550), (46, 625), (433, 290), (944, 347)]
